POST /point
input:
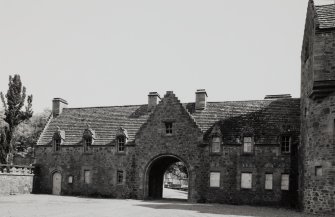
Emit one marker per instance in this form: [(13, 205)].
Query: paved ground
[(61, 206), (176, 194)]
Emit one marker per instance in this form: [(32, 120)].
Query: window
[(246, 180), (119, 177), (121, 144), (70, 179), (57, 143), (285, 144), (87, 177), (214, 180), (268, 181), (247, 145), (285, 179), (318, 171), (88, 142), (216, 145), (168, 128)]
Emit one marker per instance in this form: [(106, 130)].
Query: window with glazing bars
[(285, 144), (168, 128), (121, 144)]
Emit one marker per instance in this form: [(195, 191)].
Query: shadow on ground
[(225, 210)]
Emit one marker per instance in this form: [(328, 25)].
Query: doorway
[(56, 183)]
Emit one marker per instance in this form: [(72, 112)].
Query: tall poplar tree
[(13, 103)]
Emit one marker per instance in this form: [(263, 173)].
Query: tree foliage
[(27, 133), (13, 103), (178, 169)]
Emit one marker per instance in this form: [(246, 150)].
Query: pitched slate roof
[(265, 118), (105, 121), (325, 16), (232, 116)]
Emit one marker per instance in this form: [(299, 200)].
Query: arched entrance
[(56, 183), (155, 175)]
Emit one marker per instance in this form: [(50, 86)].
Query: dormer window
[(58, 139), (247, 145), (121, 139), (57, 143), (88, 137), (88, 141), (216, 139), (168, 128), (216, 144), (285, 144), (121, 144)]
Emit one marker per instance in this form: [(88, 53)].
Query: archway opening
[(168, 178)]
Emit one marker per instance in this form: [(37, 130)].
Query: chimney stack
[(57, 106), (153, 100), (200, 99)]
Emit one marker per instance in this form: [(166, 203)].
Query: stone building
[(317, 149), (277, 151)]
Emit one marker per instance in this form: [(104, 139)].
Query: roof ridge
[(323, 5), (112, 106)]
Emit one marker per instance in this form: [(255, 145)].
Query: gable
[(169, 110)]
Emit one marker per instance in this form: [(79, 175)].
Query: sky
[(111, 52)]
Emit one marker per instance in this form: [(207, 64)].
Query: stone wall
[(153, 150), (15, 179), (317, 150)]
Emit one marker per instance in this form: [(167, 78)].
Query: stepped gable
[(264, 117), (105, 121), (325, 16)]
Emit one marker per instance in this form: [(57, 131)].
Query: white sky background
[(100, 53)]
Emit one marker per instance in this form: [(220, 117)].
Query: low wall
[(16, 179)]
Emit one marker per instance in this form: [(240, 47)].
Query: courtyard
[(69, 206)]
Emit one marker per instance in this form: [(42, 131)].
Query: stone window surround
[(285, 142), (252, 144), (87, 176), (58, 139), (318, 171), (70, 179), (282, 186), (211, 145), (265, 183), (251, 181), (168, 127), (214, 172), (56, 144), (120, 174), (121, 144)]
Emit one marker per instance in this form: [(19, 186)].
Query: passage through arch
[(161, 178)]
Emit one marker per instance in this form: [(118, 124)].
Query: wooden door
[(56, 183)]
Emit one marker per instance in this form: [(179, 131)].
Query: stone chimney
[(153, 100), (200, 99), (57, 106)]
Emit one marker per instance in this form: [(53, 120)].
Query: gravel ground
[(174, 194), (65, 206)]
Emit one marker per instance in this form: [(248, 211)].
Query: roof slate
[(325, 16), (232, 116)]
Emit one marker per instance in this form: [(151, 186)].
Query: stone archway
[(155, 174)]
